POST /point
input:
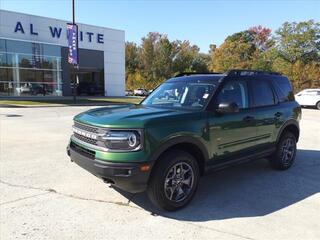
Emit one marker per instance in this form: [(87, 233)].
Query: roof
[(198, 77)]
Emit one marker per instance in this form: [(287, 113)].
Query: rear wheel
[(174, 180), (318, 105), (285, 154)]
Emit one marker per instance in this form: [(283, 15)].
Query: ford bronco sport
[(210, 121)]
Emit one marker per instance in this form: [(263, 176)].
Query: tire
[(318, 105), (164, 188), (285, 154)]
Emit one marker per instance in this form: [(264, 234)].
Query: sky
[(201, 22)]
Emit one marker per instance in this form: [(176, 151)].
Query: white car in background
[(140, 92), (309, 97)]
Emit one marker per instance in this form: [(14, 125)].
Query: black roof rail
[(238, 72), (194, 73)]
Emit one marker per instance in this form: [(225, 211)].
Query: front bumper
[(126, 176)]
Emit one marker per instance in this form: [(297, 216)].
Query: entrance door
[(90, 82)]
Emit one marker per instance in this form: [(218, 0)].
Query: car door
[(311, 97), (300, 98), (307, 97), (232, 135), (268, 113)]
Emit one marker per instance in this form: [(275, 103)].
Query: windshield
[(180, 94)]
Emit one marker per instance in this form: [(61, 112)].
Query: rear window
[(283, 89), (311, 92)]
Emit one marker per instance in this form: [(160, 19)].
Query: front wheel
[(285, 154), (318, 105), (174, 180)]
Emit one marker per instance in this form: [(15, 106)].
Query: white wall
[(113, 43)]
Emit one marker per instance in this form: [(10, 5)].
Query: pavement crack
[(126, 204), (51, 190), (23, 198)]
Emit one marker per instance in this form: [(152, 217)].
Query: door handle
[(248, 119), (278, 114)]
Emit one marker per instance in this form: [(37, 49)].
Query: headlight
[(123, 140)]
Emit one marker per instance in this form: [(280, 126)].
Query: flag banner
[(72, 32)]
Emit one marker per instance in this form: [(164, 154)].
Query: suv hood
[(125, 116)]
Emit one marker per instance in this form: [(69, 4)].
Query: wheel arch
[(190, 145), (292, 126)]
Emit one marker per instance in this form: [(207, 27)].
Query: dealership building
[(34, 58)]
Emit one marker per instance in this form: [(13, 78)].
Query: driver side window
[(234, 91)]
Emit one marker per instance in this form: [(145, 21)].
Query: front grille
[(85, 139), (86, 152), (86, 127)]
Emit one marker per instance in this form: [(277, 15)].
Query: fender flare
[(180, 140), (286, 124)]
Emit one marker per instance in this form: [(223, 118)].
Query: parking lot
[(45, 196)]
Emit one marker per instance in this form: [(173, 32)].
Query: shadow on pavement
[(247, 190)]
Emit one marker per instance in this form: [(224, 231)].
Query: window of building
[(28, 68)]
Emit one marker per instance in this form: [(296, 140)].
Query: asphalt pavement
[(45, 196)]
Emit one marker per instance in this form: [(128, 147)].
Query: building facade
[(34, 58)]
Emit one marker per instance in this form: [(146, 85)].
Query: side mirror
[(230, 107)]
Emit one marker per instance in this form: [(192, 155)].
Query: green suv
[(188, 125)]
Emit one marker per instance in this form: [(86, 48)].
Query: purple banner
[(72, 32)]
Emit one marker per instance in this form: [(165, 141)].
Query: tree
[(294, 51), (147, 56), (165, 52), (158, 58), (297, 53), (156, 54), (261, 37), (299, 41), (242, 50), (235, 52), (132, 63)]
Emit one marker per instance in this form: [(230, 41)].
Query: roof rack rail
[(238, 72), (194, 73)]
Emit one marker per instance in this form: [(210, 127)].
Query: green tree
[(297, 53), (132, 63), (165, 52), (156, 53), (299, 41), (158, 58), (189, 59)]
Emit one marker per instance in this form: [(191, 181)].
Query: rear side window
[(283, 89), (311, 93), (262, 94)]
